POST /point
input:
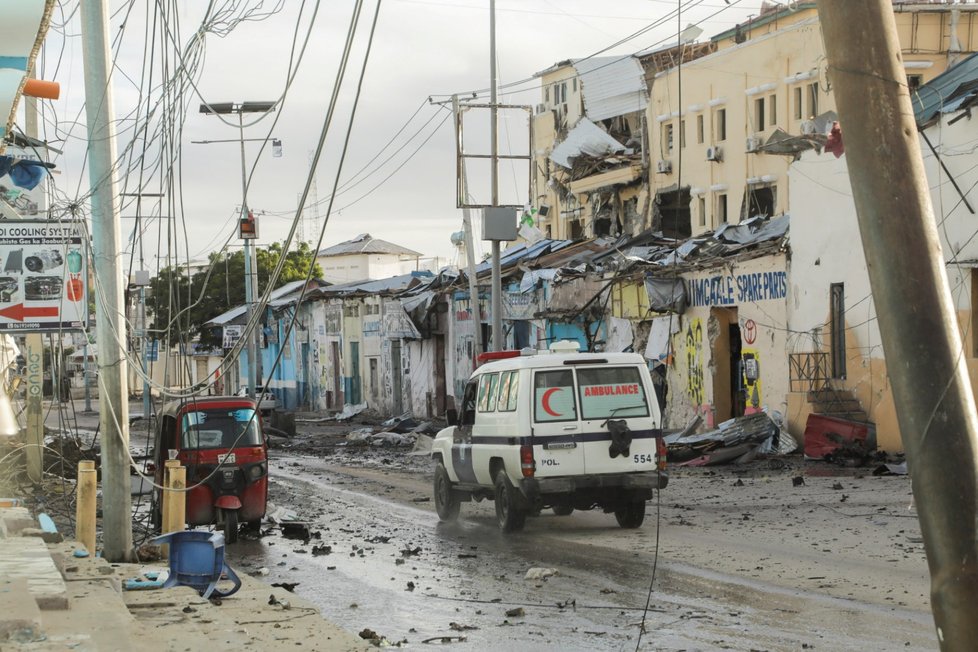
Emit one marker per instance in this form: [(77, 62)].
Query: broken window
[(838, 318), (671, 213), (759, 114), (576, 230), (758, 200)]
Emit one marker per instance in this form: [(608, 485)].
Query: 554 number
[(643, 458)]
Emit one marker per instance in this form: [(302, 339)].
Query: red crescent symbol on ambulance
[(545, 401)]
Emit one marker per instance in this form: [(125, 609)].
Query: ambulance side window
[(508, 387), (487, 392)]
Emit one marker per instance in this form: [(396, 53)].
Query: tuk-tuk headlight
[(257, 471)]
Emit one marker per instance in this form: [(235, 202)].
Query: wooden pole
[(87, 488), (926, 359)]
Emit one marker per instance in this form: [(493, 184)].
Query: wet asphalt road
[(381, 561)]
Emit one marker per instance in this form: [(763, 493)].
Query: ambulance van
[(558, 429)]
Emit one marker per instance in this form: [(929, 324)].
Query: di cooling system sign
[(43, 276)]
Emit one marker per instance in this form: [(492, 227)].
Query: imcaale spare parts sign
[(43, 276)]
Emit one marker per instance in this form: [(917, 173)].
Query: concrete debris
[(518, 612), (360, 434), (540, 573)]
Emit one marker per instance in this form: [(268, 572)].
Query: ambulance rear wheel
[(509, 510), (563, 510), (447, 503), (630, 514)]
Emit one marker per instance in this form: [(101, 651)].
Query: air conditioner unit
[(714, 154), (541, 108), (664, 167), (753, 143)]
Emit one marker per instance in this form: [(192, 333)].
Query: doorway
[(396, 373), (726, 347)]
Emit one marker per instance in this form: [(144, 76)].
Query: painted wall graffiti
[(751, 365), (731, 289), (694, 361)]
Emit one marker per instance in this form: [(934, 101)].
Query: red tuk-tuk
[(220, 440)]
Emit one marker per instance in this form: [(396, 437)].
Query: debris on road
[(737, 440), (540, 573), (518, 612), (295, 530)]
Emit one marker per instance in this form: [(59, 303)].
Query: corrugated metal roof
[(585, 138), (612, 86), (366, 244), (384, 285), (239, 311), (930, 99)]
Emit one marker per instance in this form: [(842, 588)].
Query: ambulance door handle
[(570, 427)]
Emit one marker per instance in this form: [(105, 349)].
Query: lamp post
[(240, 108)]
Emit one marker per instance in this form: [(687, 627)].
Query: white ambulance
[(558, 429)]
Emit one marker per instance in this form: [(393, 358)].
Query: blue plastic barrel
[(197, 560)]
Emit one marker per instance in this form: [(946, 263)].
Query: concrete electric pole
[(106, 245), (926, 360)]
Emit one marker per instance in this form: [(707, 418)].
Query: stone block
[(14, 520), (20, 619)]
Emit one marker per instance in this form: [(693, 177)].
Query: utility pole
[(469, 251), (251, 278), (917, 319), (106, 240), (497, 280), (34, 357)]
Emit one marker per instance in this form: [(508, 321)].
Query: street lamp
[(247, 229)]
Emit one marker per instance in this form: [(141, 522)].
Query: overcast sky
[(421, 48)]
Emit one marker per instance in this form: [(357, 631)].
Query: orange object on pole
[(47, 90)]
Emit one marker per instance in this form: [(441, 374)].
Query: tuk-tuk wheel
[(230, 525)]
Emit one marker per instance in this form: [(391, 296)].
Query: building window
[(546, 95), (699, 129), (701, 205), (914, 82), (721, 213), (813, 100), (721, 125), (574, 85), (772, 110), (797, 98), (838, 318), (759, 114), (667, 136), (682, 134)]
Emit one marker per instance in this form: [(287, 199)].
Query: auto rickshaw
[(221, 442)]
